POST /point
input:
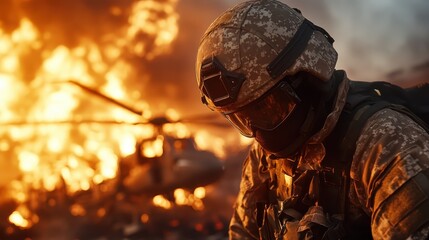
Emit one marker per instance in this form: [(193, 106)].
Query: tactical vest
[(320, 198)]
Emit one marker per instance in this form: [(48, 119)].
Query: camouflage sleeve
[(252, 189), (390, 176)]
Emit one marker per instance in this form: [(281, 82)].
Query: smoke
[(376, 37)]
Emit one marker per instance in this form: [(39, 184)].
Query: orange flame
[(76, 156), (141, 24)]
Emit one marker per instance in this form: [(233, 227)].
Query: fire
[(22, 217), (151, 149), (77, 210), (74, 158), (37, 64), (28, 161), (229, 141), (161, 201), (141, 22), (19, 220), (182, 197), (108, 164)]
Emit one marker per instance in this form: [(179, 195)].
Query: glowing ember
[(144, 218), (186, 198), (182, 197), (21, 217), (200, 192), (17, 219), (77, 210), (161, 201)]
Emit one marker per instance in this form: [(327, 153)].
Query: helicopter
[(161, 163), (171, 163)]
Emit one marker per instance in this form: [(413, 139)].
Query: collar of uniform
[(313, 152), (332, 118)]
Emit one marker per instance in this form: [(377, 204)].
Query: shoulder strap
[(358, 119), (366, 98), (341, 146)]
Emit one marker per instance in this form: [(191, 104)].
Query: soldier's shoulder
[(390, 121)]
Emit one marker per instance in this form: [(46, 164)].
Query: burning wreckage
[(79, 163), (98, 190)]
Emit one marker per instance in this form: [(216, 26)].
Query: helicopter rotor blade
[(200, 118), (68, 122), (214, 124), (205, 119), (106, 122), (105, 97)]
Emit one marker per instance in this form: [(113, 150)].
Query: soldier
[(310, 174)]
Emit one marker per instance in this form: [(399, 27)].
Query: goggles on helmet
[(267, 112)]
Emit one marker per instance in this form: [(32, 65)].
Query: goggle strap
[(295, 47), (292, 51)]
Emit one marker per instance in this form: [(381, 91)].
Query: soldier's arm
[(390, 176), (243, 223)]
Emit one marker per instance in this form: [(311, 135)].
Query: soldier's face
[(284, 137)]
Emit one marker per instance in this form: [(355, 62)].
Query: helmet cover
[(248, 37)]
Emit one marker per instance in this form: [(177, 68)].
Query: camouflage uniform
[(249, 50), (389, 177)]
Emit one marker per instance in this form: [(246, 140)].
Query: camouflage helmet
[(254, 45)]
